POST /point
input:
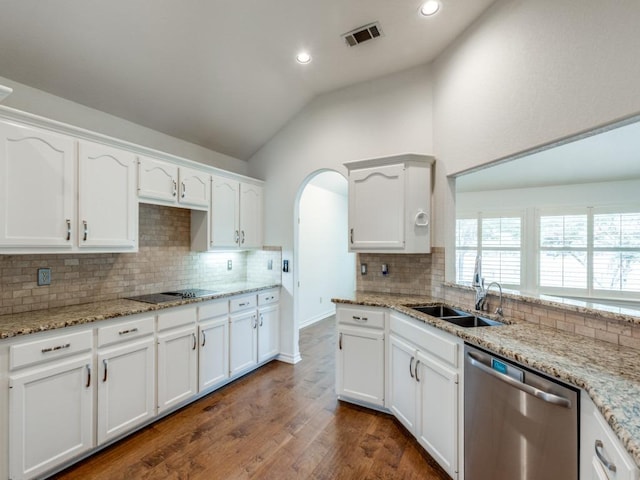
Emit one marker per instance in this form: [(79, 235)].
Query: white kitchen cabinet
[(360, 360), (51, 402), (213, 354), (602, 457), (424, 387), (107, 201), (243, 342), (390, 204), (236, 213), (125, 376), (165, 183), (268, 325), (37, 194), (177, 357)]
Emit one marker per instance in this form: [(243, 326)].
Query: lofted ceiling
[(218, 73)]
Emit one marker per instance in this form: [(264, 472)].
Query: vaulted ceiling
[(218, 73)]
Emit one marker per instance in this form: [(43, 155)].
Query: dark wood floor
[(280, 422)]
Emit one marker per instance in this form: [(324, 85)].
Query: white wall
[(528, 73), (383, 117), (325, 266), (38, 102)]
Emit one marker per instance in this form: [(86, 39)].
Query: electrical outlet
[(44, 276), (363, 269), (270, 265), (385, 269), (229, 265)]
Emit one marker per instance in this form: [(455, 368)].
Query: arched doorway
[(326, 269)]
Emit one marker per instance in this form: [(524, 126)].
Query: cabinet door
[(214, 352), (403, 389), (126, 388), (157, 180), (107, 202), (376, 208), (243, 347), (51, 417), (360, 364), (268, 332), (177, 366), (225, 212), (250, 215), (37, 187), (438, 404), (194, 188)]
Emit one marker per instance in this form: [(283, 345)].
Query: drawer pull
[(243, 304), (56, 348), (131, 330), (411, 366), (361, 319), (600, 454)]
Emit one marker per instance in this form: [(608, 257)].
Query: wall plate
[(44, 276)]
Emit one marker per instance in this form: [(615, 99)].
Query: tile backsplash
[(164, 261)]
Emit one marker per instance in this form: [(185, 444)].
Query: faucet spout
[(499, 310), (478, 284)]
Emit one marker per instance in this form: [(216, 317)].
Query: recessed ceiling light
[(303, 57), (430, 7)]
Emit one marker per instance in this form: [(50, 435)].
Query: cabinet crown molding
[(406, 158)]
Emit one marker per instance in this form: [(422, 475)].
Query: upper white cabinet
[(55, 199), (236, 214), (37, 171), (107, 202), (390, 204), (167, 184)]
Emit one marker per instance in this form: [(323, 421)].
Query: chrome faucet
[(481, 292)]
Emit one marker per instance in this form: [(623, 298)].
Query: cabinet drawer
[(51, 348), (176, 318), (124, 331), (363, 317), (265, 298), (213, 309), (242, 303), (426, 338)]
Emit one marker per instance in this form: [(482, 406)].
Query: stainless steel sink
[(456, 317)]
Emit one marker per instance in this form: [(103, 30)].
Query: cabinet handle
[(411, 366), (242, 241), (340, 342), (184, 190), (351, 236), (416, 371), (68, 229), (362, 319), (195, 341), (243, 304), (131, 330), (255, 321), (261, 319), (175, 188), (85, 230), (88, 376), (105, 363), (204, 339), (56, 348), (237, 237), (600, 454)]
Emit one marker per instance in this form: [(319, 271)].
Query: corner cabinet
[(390, 204)]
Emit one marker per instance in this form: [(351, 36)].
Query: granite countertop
[(610, 374), (13, 325)]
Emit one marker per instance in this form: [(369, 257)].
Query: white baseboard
[(286, 358), (316, 318)]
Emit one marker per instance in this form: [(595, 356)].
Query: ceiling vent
[(362, 34)]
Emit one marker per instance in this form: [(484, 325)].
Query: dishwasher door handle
[(536, 392)]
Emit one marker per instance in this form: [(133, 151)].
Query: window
[(563, 251), (498, 239)]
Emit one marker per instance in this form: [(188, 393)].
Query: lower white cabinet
[(268, 326), (177, 357), (423, 387), (213, 354), (243, 342), (360, 360), (51, 411), (602, 457)]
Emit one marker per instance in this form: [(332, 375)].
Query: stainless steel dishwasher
[(518, 425)]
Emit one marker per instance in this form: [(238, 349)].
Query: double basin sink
[(456, 317)]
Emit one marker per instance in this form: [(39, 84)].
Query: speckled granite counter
[(609, 374), (41, 320)]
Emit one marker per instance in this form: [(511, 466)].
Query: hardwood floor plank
[(281, 422)]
